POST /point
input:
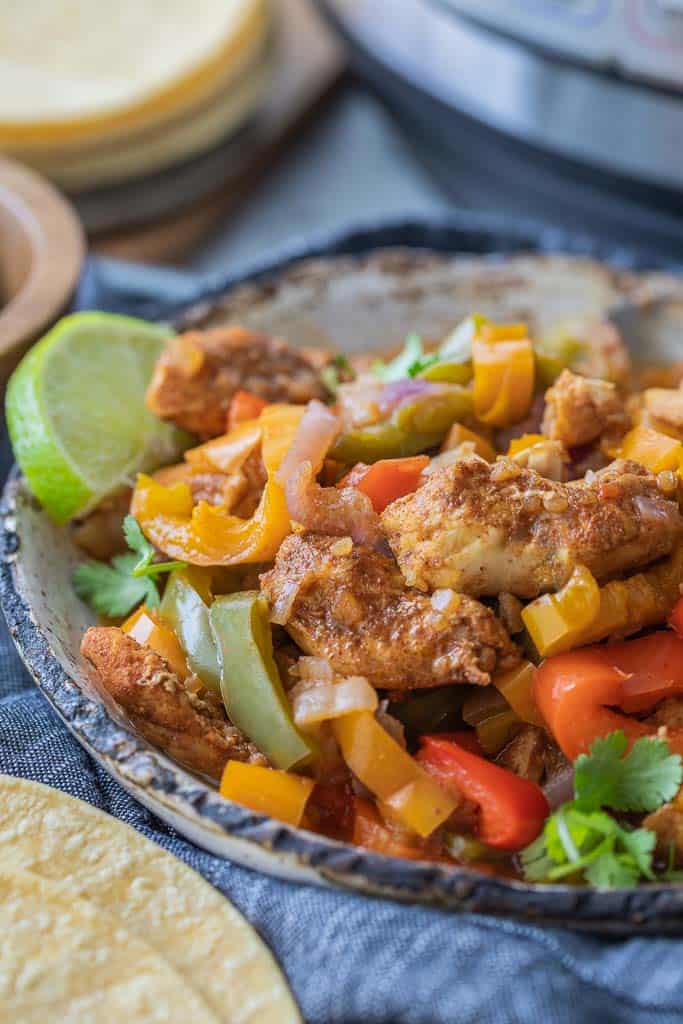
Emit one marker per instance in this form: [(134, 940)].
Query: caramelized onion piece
[(338, 513)]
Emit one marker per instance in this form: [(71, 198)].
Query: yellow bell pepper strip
[(503, 362), (209, 534), (144, 627), (458, 435), (384, 767), (520, 444), (656, 451), (448, 372), (278, 794), (644, 599), (228, 453), (250, 682), (555, 622), (517, 686), (187, 614)]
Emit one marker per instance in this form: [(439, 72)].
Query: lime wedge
[(76, 411)]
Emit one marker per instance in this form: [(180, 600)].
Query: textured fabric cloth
[(348, 958)]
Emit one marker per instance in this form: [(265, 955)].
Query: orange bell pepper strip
[(209, 534), (458, 435), (391, 774), (147, 629), (389, 479), (503, 363), (520, 444), (578, 692), (512, 810), (656, 451), (281, 795), (244, 406), (228, 453)]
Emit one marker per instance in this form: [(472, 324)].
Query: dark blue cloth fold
[(348, 958)]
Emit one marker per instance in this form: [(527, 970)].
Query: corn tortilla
[(155, 896), (69, 69), (63, 960)]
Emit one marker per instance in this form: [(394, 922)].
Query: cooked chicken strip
[(349, 604), (489, 529), (185, 726), (199, 372), (666, 405), (667, 824), (579, 410)]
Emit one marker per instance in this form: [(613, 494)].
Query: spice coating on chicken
[(579, 410), (187, 727), (485, 529), (349, 604), (198, 373)]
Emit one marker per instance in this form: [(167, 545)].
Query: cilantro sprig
[(582, 839), (115, 588), (411, 360)]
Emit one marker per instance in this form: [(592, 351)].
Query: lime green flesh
[(76, 411)]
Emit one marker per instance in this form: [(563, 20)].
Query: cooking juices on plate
[(388, 602)]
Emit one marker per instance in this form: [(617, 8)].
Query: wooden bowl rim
[(57, 243)]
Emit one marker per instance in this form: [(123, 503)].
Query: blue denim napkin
[(351, 959)]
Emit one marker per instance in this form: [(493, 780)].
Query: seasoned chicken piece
[(525, 754), (189, 728), (549, 458), (100, 533), (349, 604), (665, 405), (198, 373), (483, 529), (603, 353), (579, 410)]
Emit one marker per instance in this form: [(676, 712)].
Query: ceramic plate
[(365, 291)]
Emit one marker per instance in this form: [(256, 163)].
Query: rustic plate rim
[(138, 766)]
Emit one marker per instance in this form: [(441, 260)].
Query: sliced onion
[(400, 391), (281, 609), (358, 402), (315, 670), (653, 512), (316, 432), (337, 513), (319, 702), (560, 788)]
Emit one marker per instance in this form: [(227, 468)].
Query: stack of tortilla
[(94, 94), (98, 924)]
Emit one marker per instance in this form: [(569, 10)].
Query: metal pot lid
[(610, 122)]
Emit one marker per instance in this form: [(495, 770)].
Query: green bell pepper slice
[(185, 611), (252, 692), (412, 429), (448, 373)]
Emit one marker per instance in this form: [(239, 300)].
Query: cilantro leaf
[(111, 590), (136, 541), (644, 779), (410, 361), (116, 588), (582, 840), (336, 372)]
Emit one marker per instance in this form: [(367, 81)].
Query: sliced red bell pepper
[(388, 479), (244, 406), (512, 810), (578, 693)]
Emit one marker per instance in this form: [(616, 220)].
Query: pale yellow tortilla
[(71, 67), (149, 152), (154, 895), (64, 961)]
